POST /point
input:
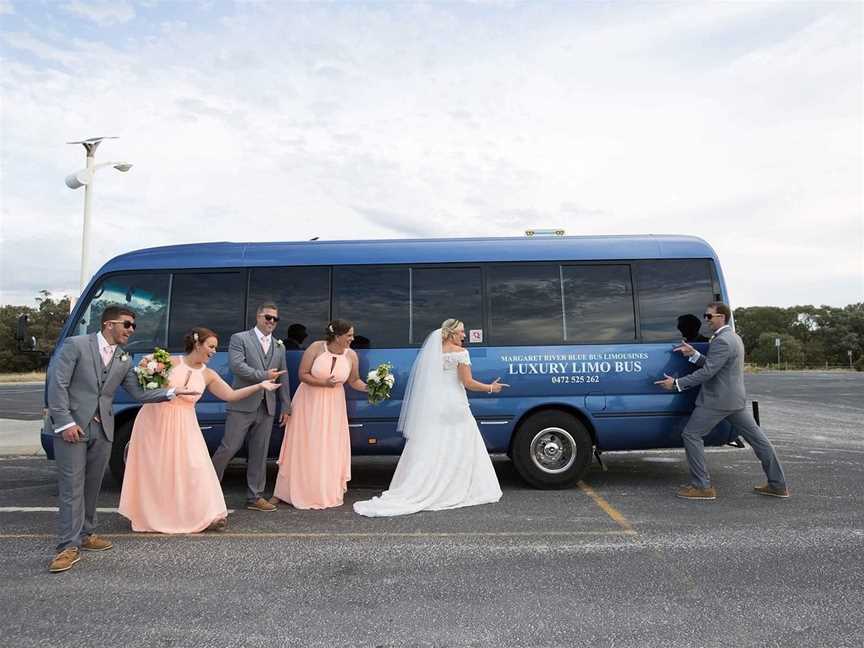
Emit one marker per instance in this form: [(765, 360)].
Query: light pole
[(84, 178)]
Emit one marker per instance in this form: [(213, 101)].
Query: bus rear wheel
[(552, 450)]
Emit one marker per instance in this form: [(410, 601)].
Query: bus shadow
[(624, 470), (620, 470)]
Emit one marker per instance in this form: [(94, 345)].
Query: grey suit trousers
[(255, 428), (80, 468), (703, 420)]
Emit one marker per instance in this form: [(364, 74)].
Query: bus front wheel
[(117, 462), (551, 450)]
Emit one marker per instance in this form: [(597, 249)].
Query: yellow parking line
[(610, 510)]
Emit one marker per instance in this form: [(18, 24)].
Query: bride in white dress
[(445, 463)]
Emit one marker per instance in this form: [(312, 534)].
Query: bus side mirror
[(23, 340)]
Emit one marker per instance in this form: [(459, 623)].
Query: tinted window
[(441, 293), (672, 298), (375, 300), (525, 304), (302, 296), (211, 299), (598, 303), (145, 294)]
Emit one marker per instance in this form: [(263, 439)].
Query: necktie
[(107, 354), (265, 344)]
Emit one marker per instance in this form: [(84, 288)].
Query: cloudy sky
[(740, 122)]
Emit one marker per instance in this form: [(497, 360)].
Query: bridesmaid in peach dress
[(315, 460), (170, 485)]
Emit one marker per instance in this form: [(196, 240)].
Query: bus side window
[(598, 304), (302, 297), (375, 299), (441, 293), (211, 299), (670, 292), (525, 304)]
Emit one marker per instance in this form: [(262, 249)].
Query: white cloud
[(346, 121), (102, 12), (28, 43)]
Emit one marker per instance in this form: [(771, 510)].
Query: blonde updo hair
[(448, 328)]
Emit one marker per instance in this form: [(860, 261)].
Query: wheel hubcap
[(553, 450)]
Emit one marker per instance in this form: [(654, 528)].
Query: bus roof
[(399, 251)]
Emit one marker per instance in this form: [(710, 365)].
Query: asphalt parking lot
[(617, 562)]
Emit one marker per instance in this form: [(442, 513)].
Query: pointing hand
[(497, 386), (685, 349), (667, 383)]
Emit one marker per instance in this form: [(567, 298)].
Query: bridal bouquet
[(153, 369), (379, 382)]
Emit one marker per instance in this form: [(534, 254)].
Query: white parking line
[(252, 535), (53, 509), (45, 509)]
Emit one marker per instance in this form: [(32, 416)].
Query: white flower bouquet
[(153, 369), (379, 383)]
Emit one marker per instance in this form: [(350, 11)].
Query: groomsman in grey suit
[(81, 384), (721, 375), (253, 356)]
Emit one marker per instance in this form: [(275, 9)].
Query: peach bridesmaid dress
[(170, 485), (315, 460)]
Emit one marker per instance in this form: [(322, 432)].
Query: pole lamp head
[(85, 176), (79, 179)]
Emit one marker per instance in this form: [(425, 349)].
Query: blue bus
[(580, 327)]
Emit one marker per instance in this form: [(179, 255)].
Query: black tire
[(117, 463), (552, 450)]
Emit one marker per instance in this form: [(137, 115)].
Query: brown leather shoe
[(770, 491), (695, 493), (95, 543), (275, 501), (64, 560), (260, 505)]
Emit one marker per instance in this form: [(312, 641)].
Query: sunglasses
[(709, 316), (271, 318), (126, 323)]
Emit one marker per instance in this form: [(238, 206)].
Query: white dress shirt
[(265, 340), (105, 348)]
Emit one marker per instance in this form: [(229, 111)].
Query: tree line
[(810, 336), (45, 321)]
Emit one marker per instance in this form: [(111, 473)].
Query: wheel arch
[(555, 407)]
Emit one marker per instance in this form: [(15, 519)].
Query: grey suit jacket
[(249, 365), (80, 387), (721, 374)]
